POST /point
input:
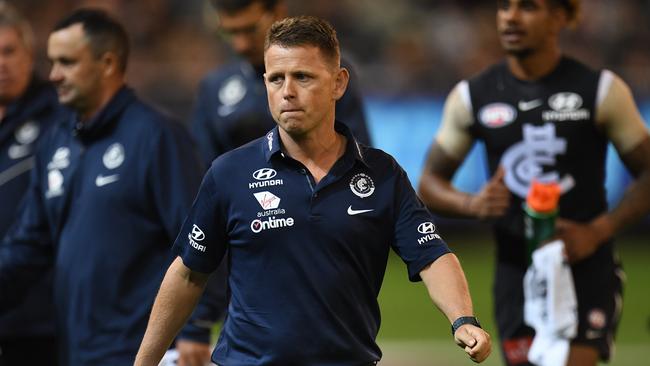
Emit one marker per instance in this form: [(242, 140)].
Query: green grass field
[(413, 332)]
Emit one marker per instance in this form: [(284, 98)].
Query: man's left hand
[(475, 341), (191, 353), (582, 239)]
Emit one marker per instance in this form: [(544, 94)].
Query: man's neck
[(536, 65), (317, 152)]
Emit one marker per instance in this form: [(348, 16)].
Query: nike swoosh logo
[(102, 180), (526, 106), (352, 212)]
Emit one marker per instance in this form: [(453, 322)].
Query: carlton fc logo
[(361, 185)]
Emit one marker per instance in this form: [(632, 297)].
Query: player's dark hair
[(305, 31), (235, 6), (104, 33), (572, 8)]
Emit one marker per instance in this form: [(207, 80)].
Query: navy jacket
[(106, 200), (232, 109), (25, 122)]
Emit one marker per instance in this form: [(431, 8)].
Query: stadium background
[(408, 55)]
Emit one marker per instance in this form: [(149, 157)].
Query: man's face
[(16, 65), (245, 30), (302, 87), (525, 26), (76, 72)]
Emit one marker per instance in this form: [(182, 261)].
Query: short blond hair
[(11, 18)]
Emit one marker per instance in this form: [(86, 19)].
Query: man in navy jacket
[(28, 107), (108, 193), (231, 107)]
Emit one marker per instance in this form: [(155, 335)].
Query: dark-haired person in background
[(28, 107), (545, 116), (231, 107), (108, 193), (308, 218)]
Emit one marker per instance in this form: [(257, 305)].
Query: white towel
[(550, 305)]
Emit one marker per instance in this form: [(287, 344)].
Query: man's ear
[(341, 80), (111, 64)]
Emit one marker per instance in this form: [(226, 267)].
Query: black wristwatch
[(462, 321)]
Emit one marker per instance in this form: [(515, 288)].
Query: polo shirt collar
[(272, 145)]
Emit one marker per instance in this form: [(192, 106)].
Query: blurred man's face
[(16, 65), (245, 30), (525, 26), (76, 72), (302, 88)]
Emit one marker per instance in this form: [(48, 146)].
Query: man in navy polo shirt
[(231, 107), (28, 107), (108, 193), (307, 216)]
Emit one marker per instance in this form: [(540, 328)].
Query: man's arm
[(446, 154), (447, 287), (178, 295), (621, 121)]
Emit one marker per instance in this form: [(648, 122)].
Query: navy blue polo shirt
[(306, 260), (232, 109)]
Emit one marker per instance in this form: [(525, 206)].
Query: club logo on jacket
[(114, 156), (231, 93), (495, 115), (565, 107), (25, 135), (60, 159), (361, 185)]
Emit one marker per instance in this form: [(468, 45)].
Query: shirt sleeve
[(417, 239), (26, 252), (349, 110), (201, 243), (202, 126)]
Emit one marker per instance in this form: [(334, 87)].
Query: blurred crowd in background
[(399, 48)]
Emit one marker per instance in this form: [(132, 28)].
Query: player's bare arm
[(621, 121), (446, 154), (178, 295)]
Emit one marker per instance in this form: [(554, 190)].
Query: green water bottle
[(540, 210)]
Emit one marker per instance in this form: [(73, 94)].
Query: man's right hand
[(493, 199)]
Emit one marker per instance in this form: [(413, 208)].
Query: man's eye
[(275, 79)]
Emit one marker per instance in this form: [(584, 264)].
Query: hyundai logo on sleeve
[(197, 233), (428, 229), (195, 236)]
